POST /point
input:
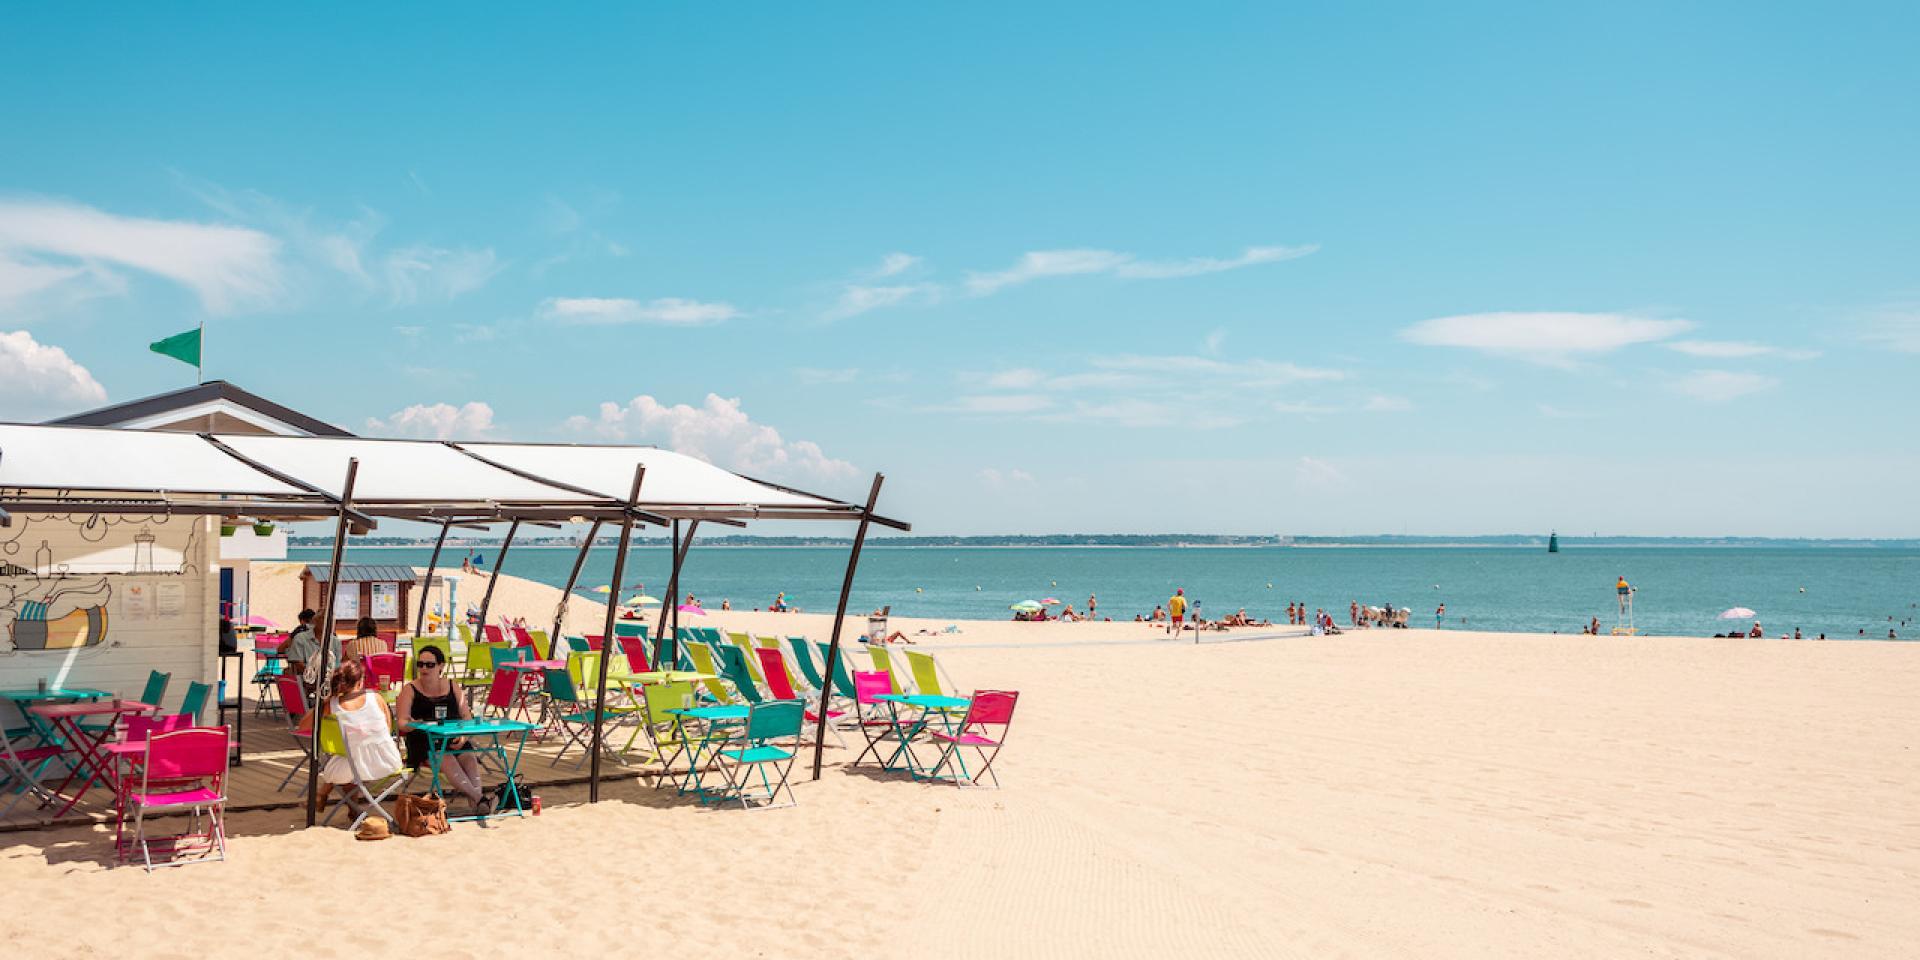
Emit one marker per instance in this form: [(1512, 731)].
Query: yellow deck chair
[(703, 662), (884, 664), (745, 644)]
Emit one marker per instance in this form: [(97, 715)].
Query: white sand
[(1394, 793)]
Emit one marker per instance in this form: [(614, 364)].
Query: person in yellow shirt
[(1624, 590), (1176, 610)]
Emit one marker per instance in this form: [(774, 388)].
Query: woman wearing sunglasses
[(431, 698)]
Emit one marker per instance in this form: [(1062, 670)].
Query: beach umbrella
[(1051, 601), (643, 600), (1026, 606), (1737, 613), (603, 588), (692, 608)]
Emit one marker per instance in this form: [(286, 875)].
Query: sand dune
[(1401, 793)]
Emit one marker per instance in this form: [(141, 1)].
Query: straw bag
[(420, 815)]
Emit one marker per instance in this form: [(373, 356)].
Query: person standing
[(1092, 603), (1439, 615), (1176, 610), (1353, 614)]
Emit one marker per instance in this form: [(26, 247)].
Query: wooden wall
[(143, 594)]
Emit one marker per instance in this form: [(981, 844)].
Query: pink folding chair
[(184, 770), (502, 692), (773, 666), (876, 719), (988, 709), (386, 669)]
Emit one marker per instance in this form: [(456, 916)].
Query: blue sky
[(1458, 268)]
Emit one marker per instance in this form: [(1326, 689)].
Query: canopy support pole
[(606, 642), (426, 584), (560, 612), (499, 564), (671, 641), (326, 635), (840, 614)]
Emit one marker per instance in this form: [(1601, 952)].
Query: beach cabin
[(379, 590)]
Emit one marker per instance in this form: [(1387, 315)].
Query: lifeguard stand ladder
[(1623, 619)]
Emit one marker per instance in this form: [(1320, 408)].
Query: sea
[(1843, 592)]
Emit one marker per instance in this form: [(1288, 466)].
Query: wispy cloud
[(1737, 350), (41, 380), (995, 403), (895, 264), (1720, 386), (856, 299), (995, 478), (665, 311), (47, 243), (1136, 390), (717, 431), (1381, 403), (436, 421), (435, 273), (816, 375), (1041, 264), (1556, 339), (1314, 473), (1894, 328)]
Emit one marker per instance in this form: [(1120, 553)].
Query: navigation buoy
[(1803, 589)]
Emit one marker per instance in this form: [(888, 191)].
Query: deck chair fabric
[(182, 771), (984, 731), (759, 756)]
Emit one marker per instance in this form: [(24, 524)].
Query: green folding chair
[(757, 755)]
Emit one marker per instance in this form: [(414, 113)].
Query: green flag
[(184, 347)]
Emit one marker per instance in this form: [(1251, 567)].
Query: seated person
[(365, 729), (432, 697), (366, 641)]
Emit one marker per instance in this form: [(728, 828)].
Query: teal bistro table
[(488, 735)]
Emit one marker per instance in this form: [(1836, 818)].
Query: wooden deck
[(269, 753)]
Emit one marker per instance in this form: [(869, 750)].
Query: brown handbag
[(420, 815)]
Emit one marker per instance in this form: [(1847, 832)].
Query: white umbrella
[(1737, 613)]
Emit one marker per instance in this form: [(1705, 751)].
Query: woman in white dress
[(365, 727)]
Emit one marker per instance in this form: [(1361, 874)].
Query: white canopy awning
[(48, 468)]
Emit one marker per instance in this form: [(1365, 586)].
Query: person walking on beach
[(1439, 615), (1176, 610)]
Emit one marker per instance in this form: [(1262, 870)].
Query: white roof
[(397, 471), (673, 479), (419, 479), (127, 461)]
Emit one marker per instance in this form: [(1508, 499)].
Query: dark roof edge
[(201, 393)]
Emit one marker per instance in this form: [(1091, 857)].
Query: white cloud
[(1719, 386), (1291, 408), (856, 299), (1039, 264), (1212, 342), (227, 267), (717, 431), (1737, 350), (997, 479), (425, 272), (895, 264), (997, 403), (1314, 473), (438, 421), (1249, 373), (1381, 403), (1895, 328), (1020, 378), (1552, 412), (1550, 338), (666, 311), (1195, 266), (41, 380), (815, 375)]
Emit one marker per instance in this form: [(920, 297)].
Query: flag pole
[(200, 355)]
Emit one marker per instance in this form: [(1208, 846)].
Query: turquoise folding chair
[(733, 669), (758, 755), (194, 701), (574, 715), (156, 689), (803, 659)]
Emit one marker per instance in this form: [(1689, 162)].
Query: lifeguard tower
[(1623, 618)]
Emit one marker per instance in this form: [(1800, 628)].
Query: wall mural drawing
[(57, 573)]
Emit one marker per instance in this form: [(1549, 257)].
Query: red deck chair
[(521, 638), (293, 703), (988, 709), (774, 667), (386, 669), (390, 638), (493, 634)]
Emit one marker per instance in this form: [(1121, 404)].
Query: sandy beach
[(1384, 793)]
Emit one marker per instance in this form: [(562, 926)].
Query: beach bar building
[(109, 536), (380, 591)]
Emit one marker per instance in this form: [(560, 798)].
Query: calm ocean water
[(1681, 590)]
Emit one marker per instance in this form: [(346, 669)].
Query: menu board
[(346, 602), (386, 601)]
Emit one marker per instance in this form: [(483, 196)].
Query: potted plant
[(262, 528), (227, 529)]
